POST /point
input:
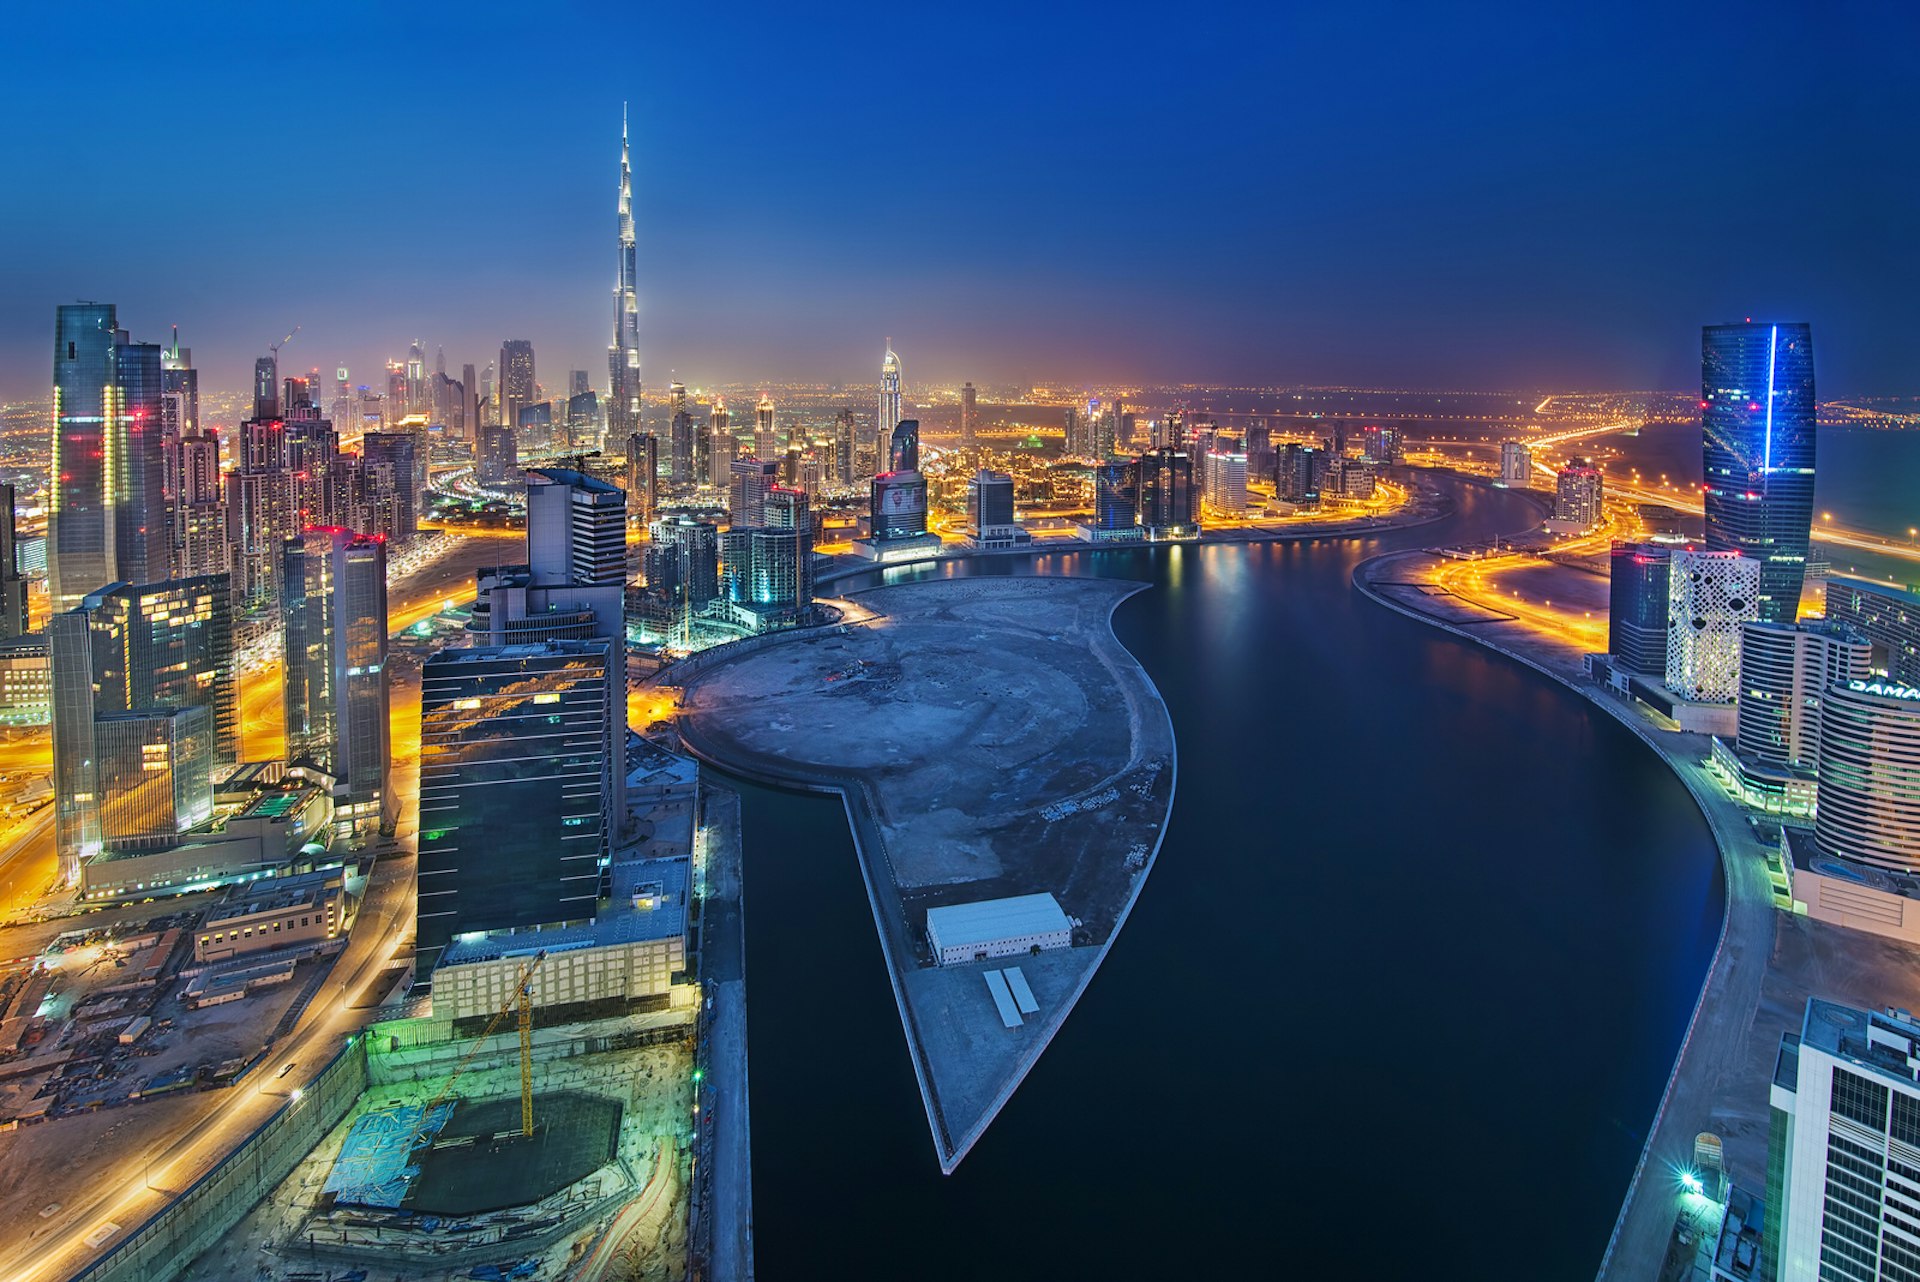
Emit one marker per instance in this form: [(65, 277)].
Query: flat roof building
[(959, 933), (1841, 1160), (285, 912)]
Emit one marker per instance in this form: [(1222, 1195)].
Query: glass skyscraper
[(334, 639), (86, 407), (145, 649), (1637, 607), (1757, 415), (516, 761)]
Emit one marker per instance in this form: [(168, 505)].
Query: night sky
[(1533, 196)]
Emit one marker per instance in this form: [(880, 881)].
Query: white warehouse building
[(991, 928)]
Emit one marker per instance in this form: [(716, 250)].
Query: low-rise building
[(272, 824), (284, 912), (989, 928)]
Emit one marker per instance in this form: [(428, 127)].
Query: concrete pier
[(990, 738)]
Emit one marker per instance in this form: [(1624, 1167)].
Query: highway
[(1825, 531)]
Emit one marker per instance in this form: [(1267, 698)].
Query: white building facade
[(1710, 596)]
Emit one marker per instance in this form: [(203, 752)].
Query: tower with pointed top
[(623, 355), (889, 416)]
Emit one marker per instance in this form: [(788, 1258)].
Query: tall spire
[(623, 354)]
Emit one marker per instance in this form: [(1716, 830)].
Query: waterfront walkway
[(1717, 1040)]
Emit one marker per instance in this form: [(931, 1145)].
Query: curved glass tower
[(1757, 417)]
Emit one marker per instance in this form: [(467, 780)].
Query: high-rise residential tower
[(334, 642), (1757, 419), (623, 355)]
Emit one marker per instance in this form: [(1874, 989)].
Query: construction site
[(538, 1115)]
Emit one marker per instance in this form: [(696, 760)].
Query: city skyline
[(1450, 207)]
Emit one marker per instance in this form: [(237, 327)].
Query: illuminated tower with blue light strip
[(1757, 420)]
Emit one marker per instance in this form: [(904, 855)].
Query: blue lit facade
[(1757, 419), (1637, 606)]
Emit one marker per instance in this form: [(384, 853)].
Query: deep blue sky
[(1520, 195)]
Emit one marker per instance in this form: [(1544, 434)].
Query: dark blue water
[(1398, 1000)]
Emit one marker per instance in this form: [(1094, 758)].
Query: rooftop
[(1905, 595), (649, 902), (568, 476), (1884, 1043), (959, 925), (276, 895)]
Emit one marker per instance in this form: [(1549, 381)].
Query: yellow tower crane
[(526, 1046), (521, 998)]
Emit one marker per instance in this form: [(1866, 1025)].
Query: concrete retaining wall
[(172, 1238)]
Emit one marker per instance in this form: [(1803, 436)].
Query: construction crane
[(275, 347), (521, 999), (526, 1045)]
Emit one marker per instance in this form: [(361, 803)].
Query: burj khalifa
[(623, 354)]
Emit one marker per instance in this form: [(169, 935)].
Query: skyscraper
[(969, 414), (1637, 606), (516, 778), (889, 415), (86, 415), (266, 387), (1845, 1123), (643, 474), (1757, 418), (903, 446), (1169, 504), (13, 586), (1516, 464), (516, 379), (842, 471), (766, 440), (623, 354), (334, 643), (1578, 495), (747, 492), (683, 449), (576, 529), (790, 573), (720, 445), (499, 454), (1709, 596), (399, 518), (128, 649)]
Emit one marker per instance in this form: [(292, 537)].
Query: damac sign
[(1884, 688)]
